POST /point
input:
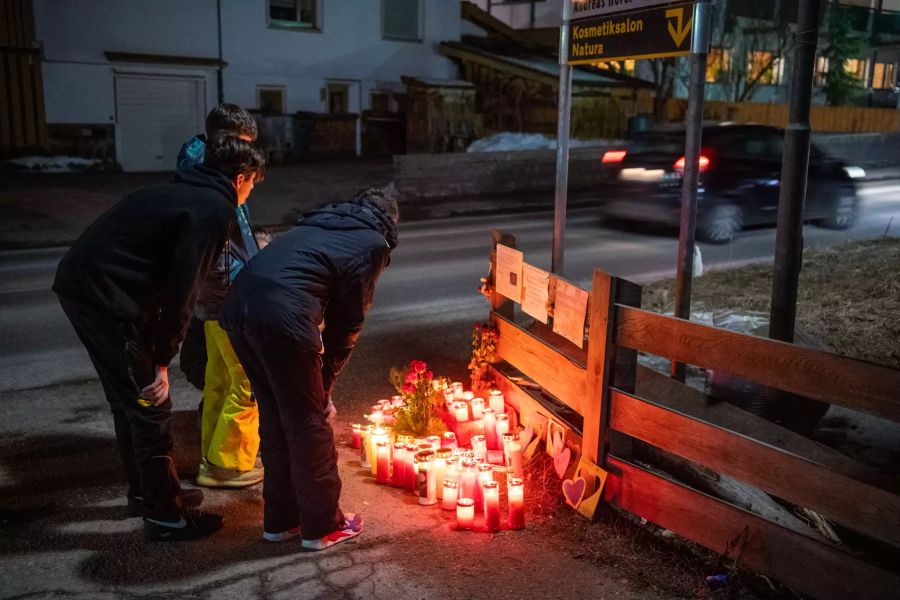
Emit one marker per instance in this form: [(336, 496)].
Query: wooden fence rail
[(607, 395)]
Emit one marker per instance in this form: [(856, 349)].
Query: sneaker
[(353, 525), (193, 525), (281, 536), (212, 476), (187, 498)]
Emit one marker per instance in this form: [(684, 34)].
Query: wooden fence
[(841, 119), (613, 405), (23, 126)]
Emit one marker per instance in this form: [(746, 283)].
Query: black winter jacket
[(322, 271), (143, 260)]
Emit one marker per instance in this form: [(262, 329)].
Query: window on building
[(718, 65), (293, 13), (883, 77), (619, 66), (270, 99), (765, 67), (380, 102), (858, 67), (820, 75), (337, 98), (401, 20)]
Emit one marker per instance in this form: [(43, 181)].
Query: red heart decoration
[(574, 491), (561, 461)]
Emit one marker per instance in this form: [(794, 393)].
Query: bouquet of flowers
[(422, 393), (484, 344)]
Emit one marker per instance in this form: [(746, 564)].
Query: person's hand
[(330, 411), (158, 391)]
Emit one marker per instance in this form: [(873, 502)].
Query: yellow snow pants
[(230, 423)]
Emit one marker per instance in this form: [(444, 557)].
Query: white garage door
[(155, 116)]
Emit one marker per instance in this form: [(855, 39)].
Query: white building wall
[(79, 80)]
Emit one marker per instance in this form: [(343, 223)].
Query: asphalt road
[(431, 281)]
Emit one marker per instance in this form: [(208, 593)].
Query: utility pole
[(563, 124)]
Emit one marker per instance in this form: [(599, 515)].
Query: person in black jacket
[(293, 316), (128, 286)]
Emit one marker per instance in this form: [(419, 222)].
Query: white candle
[(501, 429), (450, 493), (497, 403), (377, 416), (491, 492), (468, 396), (479, 446), (449, 440), (435, 441), (378, 435), (465, 513), (364, 449), (468, 478), (514, 459), (457, 388), (426, 481), (461, 411), (477, 408), (516, 491), (489, 419)]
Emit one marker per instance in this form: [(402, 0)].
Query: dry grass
[(849, 297)]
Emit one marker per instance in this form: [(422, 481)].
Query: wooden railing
[(606, 399)]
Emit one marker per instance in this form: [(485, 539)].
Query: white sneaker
[(353, 525), (281, 536)]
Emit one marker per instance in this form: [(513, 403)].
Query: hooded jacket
[(143, 260), (321, 274)]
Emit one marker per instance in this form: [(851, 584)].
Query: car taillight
[(703, 162), (613, 156)]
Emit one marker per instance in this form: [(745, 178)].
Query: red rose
[(428, 375), (412, 378), (417, 366), (409, 389)]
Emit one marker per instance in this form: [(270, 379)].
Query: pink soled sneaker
[(353, 525)]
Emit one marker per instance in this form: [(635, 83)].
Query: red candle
[(491, 492), (468, 479), (465, 513), (383, 469), (357, 435), (409, 480), (489, 419), (399, 464), (449, 440), (516, 491)]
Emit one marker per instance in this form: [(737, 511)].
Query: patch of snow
[(55, 164), (516, 142)]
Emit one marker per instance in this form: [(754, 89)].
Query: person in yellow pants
[(230, 421)]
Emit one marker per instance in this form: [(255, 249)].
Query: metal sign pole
[(794, 167), (563, 122), (693, 130)]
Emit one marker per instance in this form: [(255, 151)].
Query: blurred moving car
[(740, 178)]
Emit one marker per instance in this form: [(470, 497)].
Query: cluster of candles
[(439, 471)]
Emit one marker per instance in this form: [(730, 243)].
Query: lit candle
[(514, 459), (468, 396), (485, 474), (465, 513), (450, 493), (397, 401), (496, 402), (449, 440), (357, 435), (426, 481), (452, 470), (435, 441), (516, 491), (461, 411), (365, 442), (491, 492), (501, 429), (377, 416), (489, 419), (383, 470), (457, 388), (477, 408), (409, 477), (468, 478), (479, 446), (399, 471), (440, 469), (378, 435), (449, 399)]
